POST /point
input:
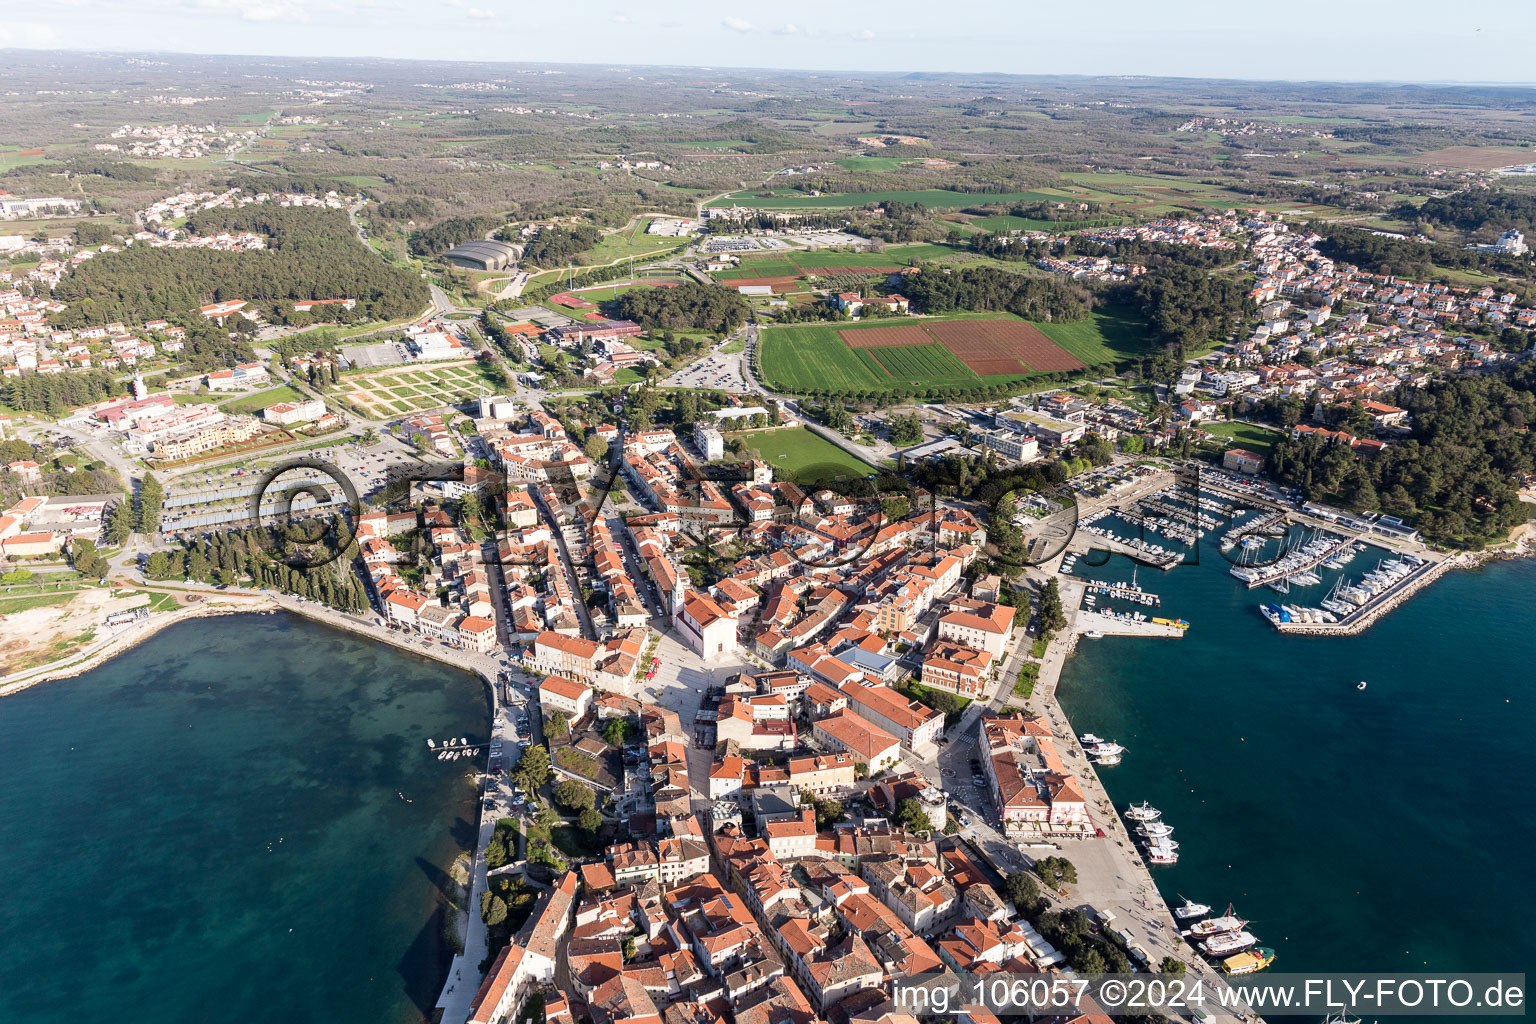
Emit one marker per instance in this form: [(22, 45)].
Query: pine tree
[(151, 502)]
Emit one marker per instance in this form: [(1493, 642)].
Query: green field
[(1110, 334), (251, 403), (813, 357), (870, 163), (933, 198), (633, 241), (797, 450), (917, 366), (1244, 435), (800, 262), (12, 605)]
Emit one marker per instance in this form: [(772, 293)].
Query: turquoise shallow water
[(207, 828), (1380, 830)]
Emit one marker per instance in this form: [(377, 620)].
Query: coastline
[(252, 603), (1141, 903)]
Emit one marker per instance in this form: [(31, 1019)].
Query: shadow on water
[(423, 988)]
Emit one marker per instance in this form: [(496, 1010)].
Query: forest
[(1185, 306), (689, 306), (558, 247), (440, 237), (939, 290), (1476, 209), (1454, 477), (312, 254), (1399, 257)]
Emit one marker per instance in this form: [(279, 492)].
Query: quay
[(1089, 620)]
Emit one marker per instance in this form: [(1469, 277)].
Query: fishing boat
[(1162, 853), (1104, 748), (1088, 739), (1190, 910), (1227, 922), (1143, 812), (1155, 829), (1251, 962), (1226, 943), (1094, 634)]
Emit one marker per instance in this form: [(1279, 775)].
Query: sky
[(1301, 40)]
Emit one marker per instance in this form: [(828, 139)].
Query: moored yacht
[(1190, 910), (1143, 812)]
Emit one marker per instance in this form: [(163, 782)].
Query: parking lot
[(713, 371)]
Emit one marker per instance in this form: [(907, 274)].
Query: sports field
[(1251, 436), (805, 454)]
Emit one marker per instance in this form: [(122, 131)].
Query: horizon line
[(741, 69)]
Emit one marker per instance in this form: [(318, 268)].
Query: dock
[(1113, 625), (1367, 614), (1277, 573)]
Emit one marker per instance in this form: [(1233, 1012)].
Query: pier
[(1367, 614), (1238, 534), (1277, 572)]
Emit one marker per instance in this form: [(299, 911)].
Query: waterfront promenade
[(1111, 873)]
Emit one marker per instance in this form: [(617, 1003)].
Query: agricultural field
[(806, 455), (960, 352), (1110, 334), (934, 198), (395, 393), (785, 271)]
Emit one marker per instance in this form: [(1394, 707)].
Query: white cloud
[(862, 36), (620, 17), (790, 30), (480, 13), (739, 25), (26, 34), (255, 10)]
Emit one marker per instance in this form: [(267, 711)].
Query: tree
[(574, 796), (495, 910), (911, 816), (1022, 891), (159, 565), (368, 438), (595, 447), (616, 732), (1173, 965), (119, 526), (628, 948), (590, 820), (1052, 615), (533, 770), (905, 430), (151, 501), (557, 725)]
